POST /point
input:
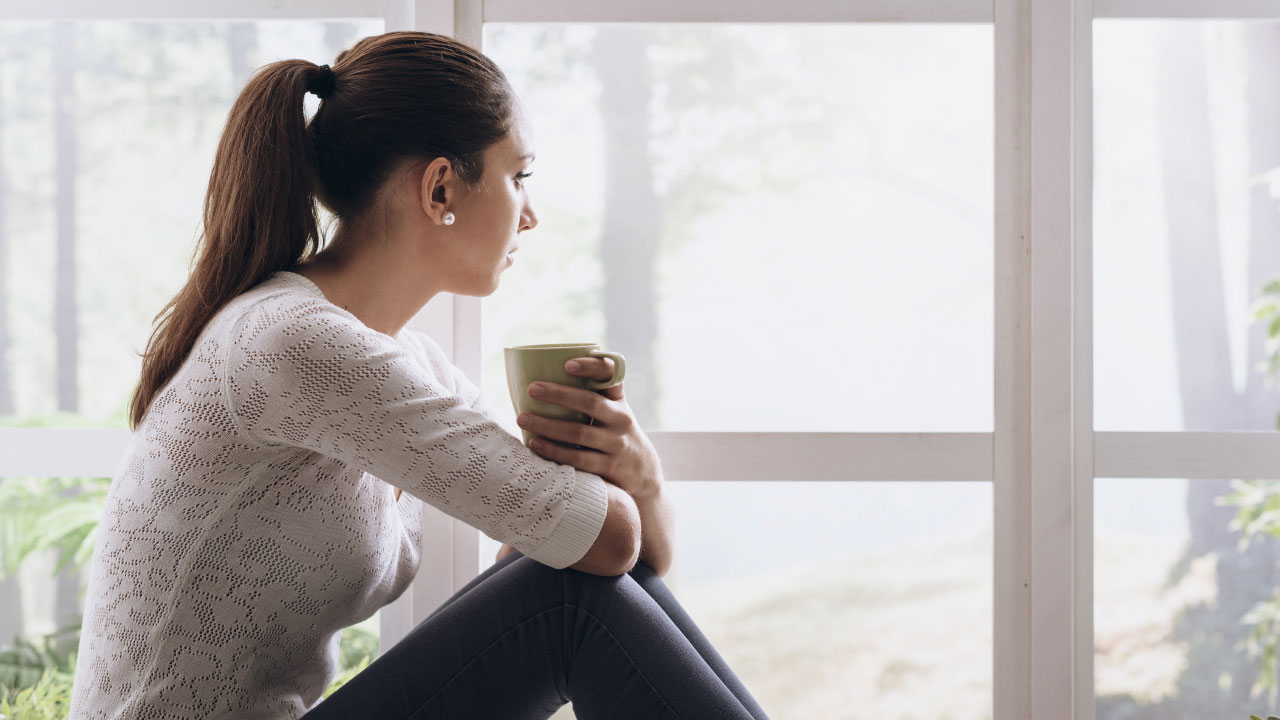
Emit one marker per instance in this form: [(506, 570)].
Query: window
[(1175, 600), (1030, 345), (779, 236), (1185, 225)]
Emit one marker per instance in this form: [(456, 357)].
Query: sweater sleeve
[(304, 373), (473, 397), (468, 392)]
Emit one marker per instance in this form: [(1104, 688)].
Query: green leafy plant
[(355, 643), (345, 675), (48, 698), (1266, 309), (23, 664), (1258, 513), (357, 647), (39, 514)]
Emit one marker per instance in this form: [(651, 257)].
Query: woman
[(283, 408)]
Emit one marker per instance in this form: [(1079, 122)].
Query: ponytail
[(259, 216), (389, 99)]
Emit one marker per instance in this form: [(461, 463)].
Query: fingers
[(567, 431), (590, 402), (591, 367), (596, 369), (584, 460)]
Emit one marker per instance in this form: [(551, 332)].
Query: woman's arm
[(656, 529), (299, 373), (656, 521)]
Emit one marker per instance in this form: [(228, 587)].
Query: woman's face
[(496, 210)]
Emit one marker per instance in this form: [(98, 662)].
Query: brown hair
[(391, 99)]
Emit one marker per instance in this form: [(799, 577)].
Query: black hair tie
[(320, 83)]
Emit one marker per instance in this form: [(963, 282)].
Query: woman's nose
[(529, 220)]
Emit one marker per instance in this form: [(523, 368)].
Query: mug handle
[(619, 370)]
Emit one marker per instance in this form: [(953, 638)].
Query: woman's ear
[(436, 189)]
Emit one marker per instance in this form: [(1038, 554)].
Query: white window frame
[(1043, 454)]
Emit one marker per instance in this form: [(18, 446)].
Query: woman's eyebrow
[(527, 156)]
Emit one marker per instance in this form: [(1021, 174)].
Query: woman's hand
[(616, 448)]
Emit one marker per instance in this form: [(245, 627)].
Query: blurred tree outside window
[(1185, 243)]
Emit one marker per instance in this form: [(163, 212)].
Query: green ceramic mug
[(530, 363)]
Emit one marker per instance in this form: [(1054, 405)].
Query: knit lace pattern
[(253, 515)]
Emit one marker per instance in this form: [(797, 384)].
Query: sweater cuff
[(580, 525)]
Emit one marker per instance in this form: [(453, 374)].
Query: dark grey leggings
[(522, 639)]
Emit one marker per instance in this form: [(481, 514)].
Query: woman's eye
[(521, 176)]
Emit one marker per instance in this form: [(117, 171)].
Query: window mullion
[(193, 10), (674, 11), (1202, 9)]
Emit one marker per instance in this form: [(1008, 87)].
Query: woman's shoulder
[(288, 306), (287, 294), (430, 353), (421, 341), (277, 292), (288, 316)]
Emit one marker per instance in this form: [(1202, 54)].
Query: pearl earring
[(448, 218)]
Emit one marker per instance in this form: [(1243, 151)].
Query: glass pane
[(1174, 595), (828, 596), (760, 207), (107, 135), (44, 565), (1185, 222)]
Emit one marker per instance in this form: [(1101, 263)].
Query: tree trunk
[(1262, 53), (338, 36), (632, 216), (10, 591), (67, 607), (7, 403), (65, 314), (1217, 676), (242, 40)]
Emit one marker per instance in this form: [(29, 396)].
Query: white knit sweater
[(253, 514)]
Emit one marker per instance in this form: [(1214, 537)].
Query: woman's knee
[(642, 569), (613, 591), (581, 588)]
